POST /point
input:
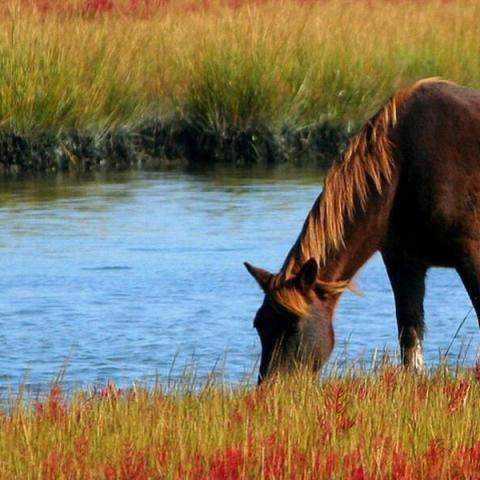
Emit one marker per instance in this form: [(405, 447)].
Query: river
[(135, 277)]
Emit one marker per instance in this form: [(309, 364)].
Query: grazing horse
[(408, 185)]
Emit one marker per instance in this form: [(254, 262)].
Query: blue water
[(132, 277)]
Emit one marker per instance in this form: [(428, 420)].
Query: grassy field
[(386, 424), (98, 64)]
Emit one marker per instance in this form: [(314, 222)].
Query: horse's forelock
[(286, 293)]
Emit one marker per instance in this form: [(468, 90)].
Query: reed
[(96, 64), (380, 424)]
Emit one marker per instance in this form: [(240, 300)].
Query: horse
[(407, 185)]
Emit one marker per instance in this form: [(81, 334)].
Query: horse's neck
[(363, 236)]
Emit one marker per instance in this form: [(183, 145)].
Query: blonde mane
[(366, 161), (366, 165)]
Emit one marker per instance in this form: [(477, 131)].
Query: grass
[(96, 64), (384, 424)]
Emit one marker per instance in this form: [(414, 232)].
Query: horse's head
[(294, 321)]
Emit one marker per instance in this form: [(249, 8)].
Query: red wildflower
[(235, 4), (325, 427), (194, 470), (236, 418), (251, 402), (38, 408), (52, 407), (362, 392), (401, 468), (335, 398), (43, 5), (133, 464), (96, 7), (323, 465), (457, 395), (145, 7), (110, 473), (464, 462), (331, 463), (161, 457), (345, 423), (195, 7), (298, 462), (226, 466), (389, 379), (352, 462), (81, 446), (432, 461), (472, 457), (358, 473), (51, 466), (421, 392), (110, 391), (275, 458), (61, 7)]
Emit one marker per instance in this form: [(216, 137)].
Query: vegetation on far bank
[(114, 84), (385, 424), (96, 64)]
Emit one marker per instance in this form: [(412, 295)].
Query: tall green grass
[(265, 63), (384, 424)]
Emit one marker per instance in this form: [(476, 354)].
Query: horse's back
[(440, 124), (437, 147)]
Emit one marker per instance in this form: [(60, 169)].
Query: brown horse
[(408, 185)]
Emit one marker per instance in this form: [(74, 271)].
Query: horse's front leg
[(408, 283), (469, 270)]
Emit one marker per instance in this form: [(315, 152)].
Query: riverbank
[(385, 423), (153, 144), (236, 81)]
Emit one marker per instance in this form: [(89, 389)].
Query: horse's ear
[(259, 274), (307, 276)]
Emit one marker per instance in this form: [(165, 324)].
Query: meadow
[(387, 424), (100, 65), (95, 65)]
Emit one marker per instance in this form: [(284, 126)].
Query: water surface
[(129, 277)]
